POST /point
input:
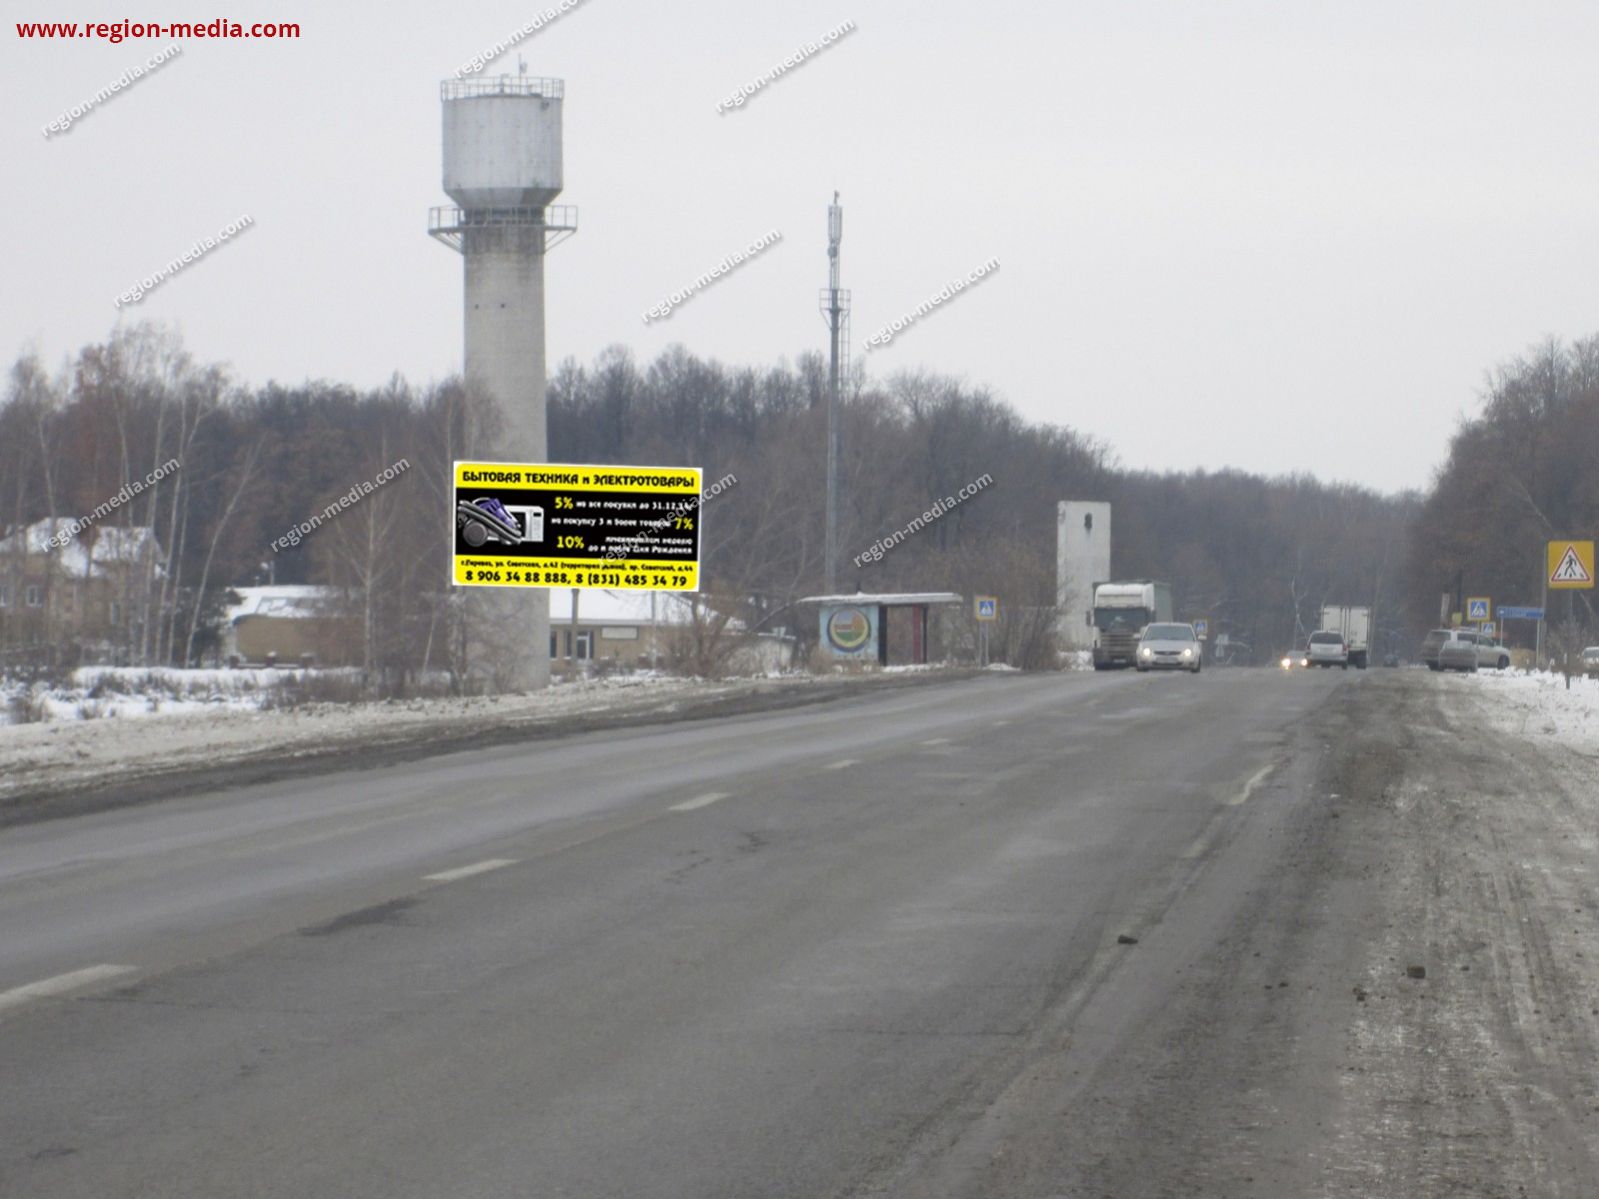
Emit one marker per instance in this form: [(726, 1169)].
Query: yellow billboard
[(555, 524)]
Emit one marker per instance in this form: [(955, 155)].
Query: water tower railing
[(502, 85), (449, 223)]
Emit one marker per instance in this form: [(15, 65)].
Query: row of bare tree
[(1256, 556), (1523, 472)]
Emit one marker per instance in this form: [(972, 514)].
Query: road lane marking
[(935, 741), (460, 872), (699, 801), (997, 723), (1249, 787), (59, 985), (841, 764)]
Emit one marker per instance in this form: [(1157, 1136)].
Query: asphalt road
[(867, 948)]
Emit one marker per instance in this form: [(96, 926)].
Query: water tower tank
[(502, 141)]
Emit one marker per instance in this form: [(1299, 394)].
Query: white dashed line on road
[(841, 764), (936, 741), (61, 984), (460, 872), (699, 801), (1249, 787)]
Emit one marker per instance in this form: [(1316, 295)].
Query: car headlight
[(1188, 653), (1145, 652), (1288, 663)]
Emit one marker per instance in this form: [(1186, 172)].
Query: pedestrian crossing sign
[(1570, 565), (987, 607), (1478, 609)]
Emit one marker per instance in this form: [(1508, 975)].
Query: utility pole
[(835, 309)]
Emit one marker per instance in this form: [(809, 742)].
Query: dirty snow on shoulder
[(1538, 706)]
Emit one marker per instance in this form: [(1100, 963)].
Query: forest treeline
[(1521, 473), (1257, 556)]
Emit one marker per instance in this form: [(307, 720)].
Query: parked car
[(1450, 649), (1329, 649), (1168, 647), (1590, 661), (1490, 652)]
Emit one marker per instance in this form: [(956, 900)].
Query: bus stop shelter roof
[(890, 598)]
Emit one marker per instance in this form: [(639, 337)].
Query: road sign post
[(1570, 568), (986, 610)]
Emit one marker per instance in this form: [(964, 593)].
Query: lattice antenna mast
[(835, 310)]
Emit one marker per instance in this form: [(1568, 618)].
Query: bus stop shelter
[(889, 627)]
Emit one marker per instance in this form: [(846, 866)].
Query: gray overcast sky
[(1264, 235)]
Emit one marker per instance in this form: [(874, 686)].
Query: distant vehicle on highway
[(1450, 649), (1121, 613), (1329, 649), (1299, 657), (1590, 661), (1490, 652), (1354, 625), (1168, 647), (1390, 659)]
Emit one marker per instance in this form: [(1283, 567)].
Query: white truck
[(1120, 612), (1354, 625)]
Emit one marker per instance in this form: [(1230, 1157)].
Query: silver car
[(1168, 647), (1491, 653), (1450, 649), (1328, 649)]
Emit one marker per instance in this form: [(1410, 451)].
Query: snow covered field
[(1538, 706), (115, 692)]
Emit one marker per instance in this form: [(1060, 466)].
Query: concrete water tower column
[(1082, 558), (502, 167)]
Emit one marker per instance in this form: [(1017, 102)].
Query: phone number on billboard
[(575, 578)]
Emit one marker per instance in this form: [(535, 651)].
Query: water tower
[(1082, 558), (502, 167)]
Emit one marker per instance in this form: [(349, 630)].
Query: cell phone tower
[(502, 167), (835, 310)]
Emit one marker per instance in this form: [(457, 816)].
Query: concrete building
[(503, 167), (1082, 558), (641, 628), (93, 592), (288, 624)]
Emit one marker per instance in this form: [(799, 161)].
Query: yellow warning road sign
[(1570, 565)]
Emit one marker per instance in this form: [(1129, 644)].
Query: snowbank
[(1537, 706)]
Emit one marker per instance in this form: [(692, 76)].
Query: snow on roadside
[(1537, 706), (56, 754)]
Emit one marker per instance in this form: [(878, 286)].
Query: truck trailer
[(1354, 626), (1120, 612)]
